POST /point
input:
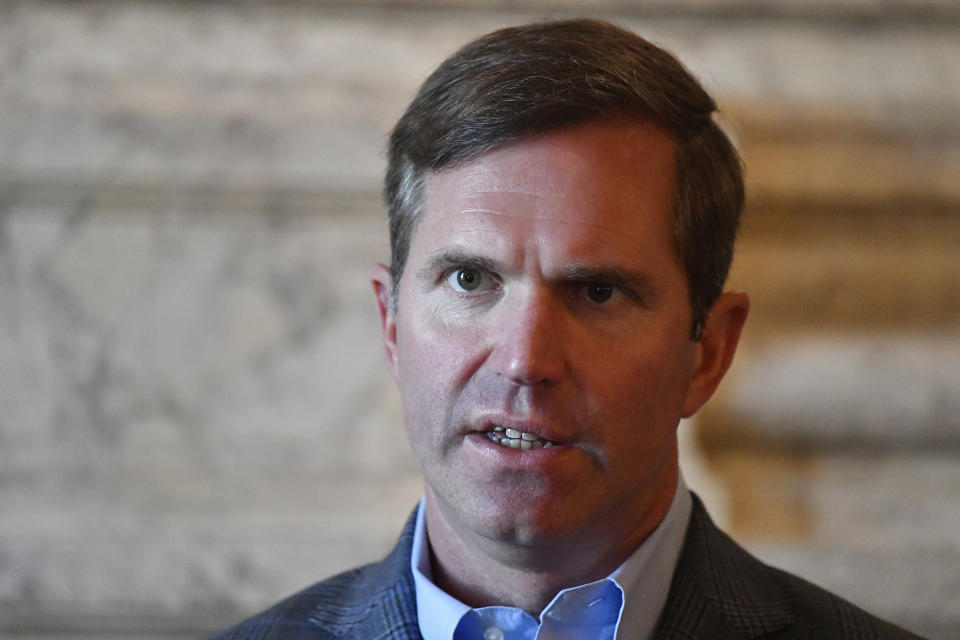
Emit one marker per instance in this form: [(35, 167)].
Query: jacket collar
[(719, 591)]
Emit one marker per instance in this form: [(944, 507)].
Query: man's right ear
[(383, 290)]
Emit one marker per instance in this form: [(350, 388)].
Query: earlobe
[(718, 343), (383, 291)]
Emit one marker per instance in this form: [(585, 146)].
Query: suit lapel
[(719, 591)]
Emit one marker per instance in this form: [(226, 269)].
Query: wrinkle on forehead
[(553, 184), (538, 180), (559, 219), (519, 192)]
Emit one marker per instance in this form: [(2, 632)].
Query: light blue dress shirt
[(626, 604)]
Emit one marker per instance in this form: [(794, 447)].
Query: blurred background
[(194, 415)]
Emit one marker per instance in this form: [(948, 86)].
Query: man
[(562, 216)]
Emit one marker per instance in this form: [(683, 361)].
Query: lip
[(499, 455), (538, 428)]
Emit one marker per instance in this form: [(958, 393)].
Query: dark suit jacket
[(719, 592)]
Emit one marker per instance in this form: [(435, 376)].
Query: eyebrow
[(447, 259)]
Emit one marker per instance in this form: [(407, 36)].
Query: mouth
[(516, 439)]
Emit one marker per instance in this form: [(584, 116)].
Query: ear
[(383, 290), (721, 333)]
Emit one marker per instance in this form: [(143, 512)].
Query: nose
[(529, 340)]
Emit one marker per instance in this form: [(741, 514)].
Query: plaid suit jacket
[(719, 592)]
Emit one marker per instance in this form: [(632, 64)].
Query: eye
[(465, 279), (599, 292)]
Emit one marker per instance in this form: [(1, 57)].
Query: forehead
[(597, 185)]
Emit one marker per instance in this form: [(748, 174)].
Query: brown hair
[(539, 77)]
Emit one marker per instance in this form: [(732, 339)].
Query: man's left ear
[(721, 333)]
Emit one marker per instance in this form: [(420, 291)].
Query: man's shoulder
[(827, 613), (318, 611), (718, 584), (375, 600)]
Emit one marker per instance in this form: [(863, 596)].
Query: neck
[(481, 571)]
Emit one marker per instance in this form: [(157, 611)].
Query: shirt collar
[(644, 577), (437, 612)]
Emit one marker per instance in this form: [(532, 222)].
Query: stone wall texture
[(195, 415)]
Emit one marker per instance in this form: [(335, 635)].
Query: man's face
[(543, 295)]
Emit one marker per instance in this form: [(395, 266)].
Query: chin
[(529, 525)]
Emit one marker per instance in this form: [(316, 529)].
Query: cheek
[(432, 348), (647, 392), (435, 362)]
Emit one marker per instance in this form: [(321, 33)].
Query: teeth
[(516, 439)]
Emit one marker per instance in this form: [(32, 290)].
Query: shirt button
[(492, 633)]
